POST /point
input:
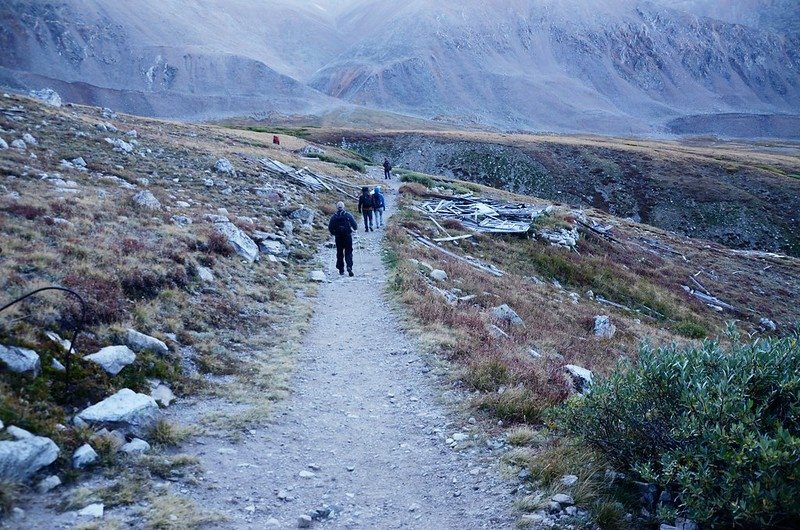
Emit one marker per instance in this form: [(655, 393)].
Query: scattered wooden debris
[(603, 231), (657, 245), (469, 260), (308, 178), (485, 215), (712, 301)]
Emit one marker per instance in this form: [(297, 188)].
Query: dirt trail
[(364, 433)]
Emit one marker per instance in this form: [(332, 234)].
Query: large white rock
[(113, 358), (137, 446), (84, 456), (48, 95), (506, 314), (126, 410), (603, 327), (241, 242), (20, 360), (317, 276), (94, 511), (146, 199), (140, 342), (581, 377), (20, 459), (224, 165)]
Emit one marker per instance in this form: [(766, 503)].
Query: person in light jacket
[(378, 206)]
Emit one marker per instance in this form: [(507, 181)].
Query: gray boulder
[(224, 165), (563, 499), (181, 220), (20, 459), (206, 275), (139, 342), (767, 325), (581, 378), (3, 144), (48, 484), (29, 139), (241, 242), (146, 199), (137, 446), (19, 144), (126, 410), (317, 276), (603, 327), (84, 456), (120, 145), (303, 214), (113, 358), (274, 248), (506, 314), (162, 394), (47, 95), (438, 275), (20, 360)]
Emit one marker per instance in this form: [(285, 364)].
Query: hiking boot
[(350, 272), (341, 272)]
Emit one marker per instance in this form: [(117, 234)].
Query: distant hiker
[(276, 139), (387, 169), (365, 208), (378, 206), (341, 227)]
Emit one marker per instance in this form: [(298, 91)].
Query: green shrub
[(719, 426), (420, 178)]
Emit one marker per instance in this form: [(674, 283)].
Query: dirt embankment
[(742, 196)]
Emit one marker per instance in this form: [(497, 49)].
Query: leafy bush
[(719, 426)]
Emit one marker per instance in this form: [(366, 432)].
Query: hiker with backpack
[(378, 206), (365, 208), (387, 169), (341, 226)]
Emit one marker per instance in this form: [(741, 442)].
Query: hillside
[(622, 68), (405, 386)]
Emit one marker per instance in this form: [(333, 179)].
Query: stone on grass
[(581, 378), (275, 248), (119, 144), (93, 510), (65, 344), (224, 165), (316, 276), (146, 199), (140, 342), (304, 521), (57, 366), (20, 459), (126, 410), (48, 484), (603, 327), (162, 394), (767, 324), (29, 139), (506, 314), (19, 144), (241, 242), (137, 446), (303, 214), (47, 95), (18, 433), (181, 220), (84, 456), (113, 358), (569, 480), (206, 275), (3, 144), (438, 275), (563, 499), (20, 360)]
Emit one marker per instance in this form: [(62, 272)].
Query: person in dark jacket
[(378, 206), (387, 169), (341, 226), (365, 208)]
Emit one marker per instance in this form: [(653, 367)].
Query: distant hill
[(609, 67)]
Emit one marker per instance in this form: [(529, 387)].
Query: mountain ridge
[(602, 67)]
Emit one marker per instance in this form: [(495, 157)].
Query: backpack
[(341, 225), (377, 201), (366, 203)]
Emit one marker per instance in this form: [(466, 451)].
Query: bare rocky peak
[(608, 66)]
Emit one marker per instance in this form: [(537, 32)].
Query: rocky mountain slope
[(609, 67), (196, 262)]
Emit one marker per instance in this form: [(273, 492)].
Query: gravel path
[(364, 434)]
